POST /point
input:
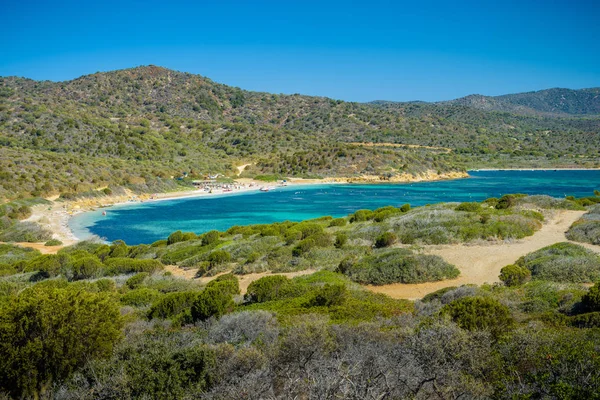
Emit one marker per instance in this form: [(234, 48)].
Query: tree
[(514, 275), (47, 333)]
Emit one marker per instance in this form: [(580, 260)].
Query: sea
[(147, 222)]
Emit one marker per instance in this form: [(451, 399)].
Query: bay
[(150, 221)]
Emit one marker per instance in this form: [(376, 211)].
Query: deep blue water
[(151, 221)]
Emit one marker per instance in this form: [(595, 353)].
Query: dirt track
[(481, 264)]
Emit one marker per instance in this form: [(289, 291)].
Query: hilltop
[(556, 101), (141, 127)]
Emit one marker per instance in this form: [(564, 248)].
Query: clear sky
[(350, 50)]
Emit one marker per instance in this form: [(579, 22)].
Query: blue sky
[(350, 50)]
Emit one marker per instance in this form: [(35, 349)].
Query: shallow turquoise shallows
[(147, 222)]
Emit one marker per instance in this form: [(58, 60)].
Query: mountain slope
[(140, 126), (555, 101)]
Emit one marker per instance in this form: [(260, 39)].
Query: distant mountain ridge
[(556, 101)]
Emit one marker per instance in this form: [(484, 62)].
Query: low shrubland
[(587, 228), (562, 262)]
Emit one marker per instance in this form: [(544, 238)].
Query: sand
[(245, 280), (479, 264)]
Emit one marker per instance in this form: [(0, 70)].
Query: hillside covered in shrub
[(139, 128)]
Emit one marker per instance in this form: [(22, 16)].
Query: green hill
[(556, 101), (140, 127)]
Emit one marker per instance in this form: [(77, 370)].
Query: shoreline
[(534, 169), (56, 216)]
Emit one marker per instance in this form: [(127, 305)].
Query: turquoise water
[(151, 221)]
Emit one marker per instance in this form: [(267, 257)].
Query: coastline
[(535, 169)]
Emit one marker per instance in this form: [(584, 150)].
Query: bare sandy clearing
[(245, 280), (481, 264)]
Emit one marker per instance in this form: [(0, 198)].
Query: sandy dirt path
[(245, 280), (481, 264)]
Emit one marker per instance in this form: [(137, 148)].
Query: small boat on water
[(266, 188), (103, 213)]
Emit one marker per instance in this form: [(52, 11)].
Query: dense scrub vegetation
[(140, 127), (289, 337), (116, 325)]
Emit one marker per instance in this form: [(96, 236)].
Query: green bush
[(119, 249), (85, 268), (563, 262), (591, 300), (47, 333), (215, 301), (399, 266), (136, 280), (303, 247), (340, 240), (226, 282), (328, 296), (469, 207), (514, 275), (267, 288), (117, 266), (210, 237), (140, 297), (53, 242), (338, 222), (361, 215), (405, 208), (218, 257), (175, 237), (386, 239), (587, 320), (172, 304), (480, 313)]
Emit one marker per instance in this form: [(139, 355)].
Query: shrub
[(505, 202), (591, 300), (361, 215), (218, 257), (85, 268), (514, 275), (116, 266), (53, 242), (210, 237), (136, 280), (480, 313), (563, 262), (267, 288), (303, 247), (226, 282), (119, 249), (47, 333), (340, 240), (386, 239), (469, 207), (214, 301), (399, 266), (106, 285), (588, 320), (338, 222), (172, 304), (328, 296), (405, 208), (140, 297), (175, 237)]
